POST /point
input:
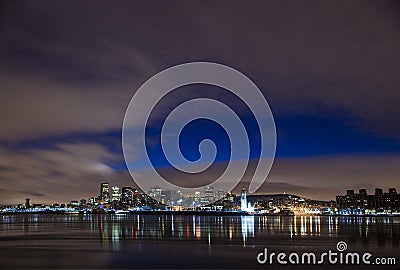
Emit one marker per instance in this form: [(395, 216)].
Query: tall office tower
[(115, 195), (392, 191), (127, 195), (363, 192), (378, 191), (209, 194), (350, 192), (105, 192), (155, 193), (197, 198)]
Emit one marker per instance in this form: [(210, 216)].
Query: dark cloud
[(71, 68), (65, 172), (342, 56), (85, 165), (30, 193)]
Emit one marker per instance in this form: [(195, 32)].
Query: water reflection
[(112, 229), (247, 227)]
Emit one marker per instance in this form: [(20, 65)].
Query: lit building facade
[(244, 205), (243, 200), (105, 192), (116, 195), (378, 202), (208, 195), (127, 195), (155, 193)]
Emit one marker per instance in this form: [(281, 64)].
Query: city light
[(127, 200)]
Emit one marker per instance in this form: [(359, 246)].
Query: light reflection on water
[(234, 229), (179, 241)]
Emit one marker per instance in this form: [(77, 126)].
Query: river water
[(186, 241)]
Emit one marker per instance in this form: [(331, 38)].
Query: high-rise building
[(209, 194), (155, 193), (378, 191), (363, 192), (197, 198), (116, 195), (105, 192), (204, 200), (379, 202), (127, 195)]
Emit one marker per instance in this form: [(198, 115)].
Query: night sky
[(68, 69)]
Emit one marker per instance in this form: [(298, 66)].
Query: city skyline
[(113, 193), (328, 71), (127, 200)]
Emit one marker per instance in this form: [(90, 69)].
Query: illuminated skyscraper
[(105, 192), (116, 195), (127, 195), (209, 194), (197, 198), (155, 193)]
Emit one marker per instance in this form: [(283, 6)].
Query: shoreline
[(193, 213)]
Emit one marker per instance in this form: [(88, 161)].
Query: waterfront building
[(362, 202), (115, 195), (197, 198), (243, 200), (74, 204), (244, 205), (127, 195), (155, 193), (105, 192), (209, 194), (204, 200)]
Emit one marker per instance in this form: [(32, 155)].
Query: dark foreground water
[(173, 241)]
